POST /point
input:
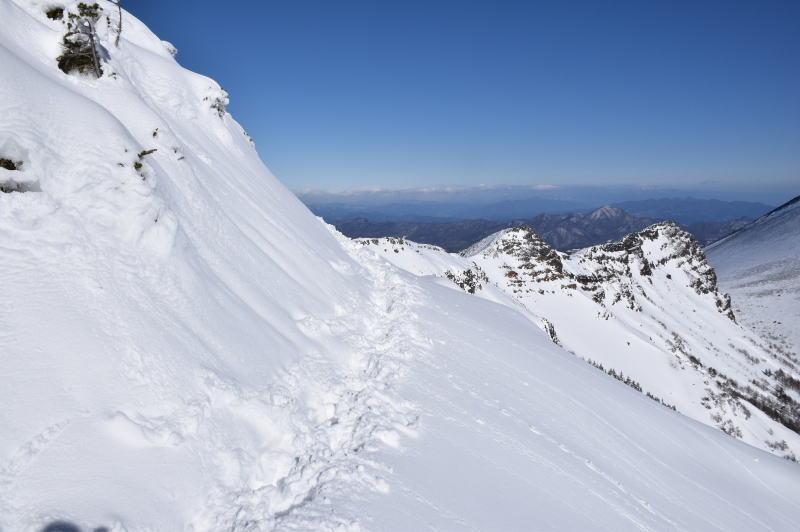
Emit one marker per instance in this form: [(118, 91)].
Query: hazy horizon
[(586, 194)]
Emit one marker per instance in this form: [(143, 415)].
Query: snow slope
[(144, 313), (184, 346), (646, 310), (516, 434), (760, 266)]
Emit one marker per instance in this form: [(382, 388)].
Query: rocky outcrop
[(612, 272)]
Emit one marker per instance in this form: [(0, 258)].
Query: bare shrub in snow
[(79, 45)]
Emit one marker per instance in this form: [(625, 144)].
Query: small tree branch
[(95, 59), (119, 24)]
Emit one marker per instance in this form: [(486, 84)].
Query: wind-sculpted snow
[(183, 346), (149, 302), (647, 311)]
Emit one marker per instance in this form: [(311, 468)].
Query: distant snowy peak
[(516, 239), (605, 212), (533, 255), (663, 246)]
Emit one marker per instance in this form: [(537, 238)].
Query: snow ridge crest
[(630, 261)]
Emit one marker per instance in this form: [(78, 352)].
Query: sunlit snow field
[(184, 346)]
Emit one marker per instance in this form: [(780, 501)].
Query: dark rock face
[(470, 280), (672, 248), (539, 260)]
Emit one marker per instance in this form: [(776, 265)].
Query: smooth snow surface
[(183, 346), (760, 266)]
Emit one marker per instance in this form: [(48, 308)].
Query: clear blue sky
[(341, 94)]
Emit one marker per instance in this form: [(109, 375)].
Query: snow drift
[(184, 346)]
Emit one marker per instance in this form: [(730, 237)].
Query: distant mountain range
[(562, 231), (445, 211), (436, 208), (692, 210)]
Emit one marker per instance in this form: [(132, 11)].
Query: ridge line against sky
[(360, 94)]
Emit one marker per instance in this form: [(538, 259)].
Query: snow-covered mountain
[(646, 310), (759, 266), (184, 346)]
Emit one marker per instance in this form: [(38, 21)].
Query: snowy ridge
[(778, 212), (646, 310), (485, 243), (760, 266), (184, 346), (155, 298)]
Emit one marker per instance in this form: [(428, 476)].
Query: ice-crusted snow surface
[(183, 346), (760, 266)]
